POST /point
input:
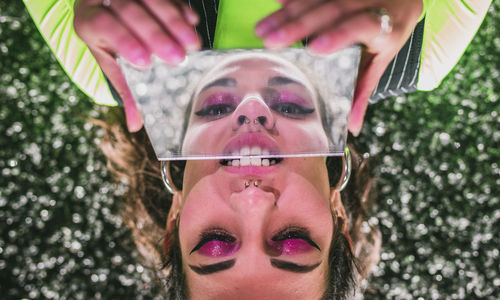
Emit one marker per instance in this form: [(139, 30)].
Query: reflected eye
[(216, 242), (290, 109), (292, 240), (289, 104), (218, 105)]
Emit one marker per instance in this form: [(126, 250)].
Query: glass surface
[(235, 103)]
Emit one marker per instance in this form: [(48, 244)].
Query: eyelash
[(214, 234), (289, 232), (294, 232), (288, 109)]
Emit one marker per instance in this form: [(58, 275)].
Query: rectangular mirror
[(234, 103)]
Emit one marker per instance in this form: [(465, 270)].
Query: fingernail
[(275, 39), (192, 47), (264, 26), (191, 17), (174, 55), (320, 44), (355, 130), (189, 39), (140, 57)]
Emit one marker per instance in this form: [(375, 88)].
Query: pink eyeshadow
[(218, 248), (291, 246), (287, 96), (220, 98)]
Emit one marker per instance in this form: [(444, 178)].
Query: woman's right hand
[(135, 30)]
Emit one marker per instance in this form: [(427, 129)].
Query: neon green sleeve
[(54, 20), (449, 27)]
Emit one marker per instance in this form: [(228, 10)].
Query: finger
[(371, 68), (307, 24), (289, 12), (116, 39), (362, 28), (146, 28), (190, 15), (178, 19), (113, 72)]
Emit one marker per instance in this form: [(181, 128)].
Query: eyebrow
[(292, 267), (213, 268), (281, 80), (225, 82)]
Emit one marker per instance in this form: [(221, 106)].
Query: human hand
[(335, 24), (135, 30)]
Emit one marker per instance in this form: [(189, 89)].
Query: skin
[(292, 194), (294, 133), (296, 193), (137, 29)]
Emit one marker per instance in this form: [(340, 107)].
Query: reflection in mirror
[(234, 104)]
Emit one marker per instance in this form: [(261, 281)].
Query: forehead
[(256, 65)]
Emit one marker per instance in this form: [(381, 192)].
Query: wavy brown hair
[(131, 158)]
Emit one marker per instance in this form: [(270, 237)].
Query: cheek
[(204, 138), (302, 136)]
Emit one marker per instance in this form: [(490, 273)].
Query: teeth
[(255, 161), (245, 151), (255, 150), (252, 161), (244, 161), (248, 157)]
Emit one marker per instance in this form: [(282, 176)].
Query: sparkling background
[(437, 157)]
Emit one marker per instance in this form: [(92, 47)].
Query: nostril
[(241, 120), (262, 120)]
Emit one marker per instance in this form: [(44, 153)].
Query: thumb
[(371, 68), (110, 67)]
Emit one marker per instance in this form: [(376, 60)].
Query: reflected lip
[(252, 139)]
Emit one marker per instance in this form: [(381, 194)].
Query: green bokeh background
[(437, 163)]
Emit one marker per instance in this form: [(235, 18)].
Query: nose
[(254, 113), (253, 201)]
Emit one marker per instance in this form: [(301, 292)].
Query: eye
[(217, 110), (288, 104), (291, 109), (216, 242), (217, 106), (292, 240)]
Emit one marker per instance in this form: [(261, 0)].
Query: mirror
[(233, 104)]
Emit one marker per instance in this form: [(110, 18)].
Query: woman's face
[(262, 101), (256, 242)]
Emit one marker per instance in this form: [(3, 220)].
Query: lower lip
[(251, 170)]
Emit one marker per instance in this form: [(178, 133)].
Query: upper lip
[(262, 140)]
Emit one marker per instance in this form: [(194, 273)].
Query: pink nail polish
[(264, 26), (140, 57), (276, 38), (321, 44)]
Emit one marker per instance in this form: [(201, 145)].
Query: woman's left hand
[(336, 24)]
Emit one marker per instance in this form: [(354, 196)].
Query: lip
[(252, 139), (251, 170)]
